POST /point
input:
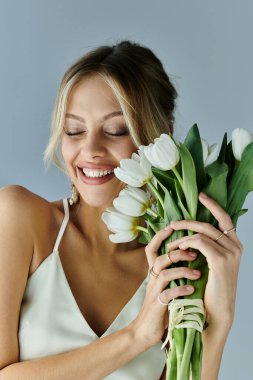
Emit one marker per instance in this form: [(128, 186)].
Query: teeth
[(97, 173)]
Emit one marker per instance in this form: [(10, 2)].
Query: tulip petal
[(204, 149), (133, 167), (129, 206), (212, 154), (126, 178), (240, 139), (117, 222), (144, 162), (122, 237), (163, 154)]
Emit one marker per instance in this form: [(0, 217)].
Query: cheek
[(68, 150), (126, 150)]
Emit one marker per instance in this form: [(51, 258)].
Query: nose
[(93, 145)]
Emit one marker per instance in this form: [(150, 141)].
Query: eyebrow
[(104, 118)]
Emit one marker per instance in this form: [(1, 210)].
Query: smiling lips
[(96, 173), (95, 176)]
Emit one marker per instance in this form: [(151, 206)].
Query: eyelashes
[(73, 133), (118, 134)]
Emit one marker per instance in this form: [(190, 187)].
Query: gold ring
[(168, 254), (151, 271), (160, 301), (219, 236), (226, 232)]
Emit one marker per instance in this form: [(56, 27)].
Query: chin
[(98, 201), (96, 197)]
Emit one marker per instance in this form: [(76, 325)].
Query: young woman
[(73, 304)]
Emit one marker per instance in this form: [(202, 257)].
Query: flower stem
[(152, 187), (179, 341), (196, 357), (178, 176), (171, 365), (152, 212), (140, 228), (184, 368)]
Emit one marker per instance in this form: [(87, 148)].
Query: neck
[(88, 221)]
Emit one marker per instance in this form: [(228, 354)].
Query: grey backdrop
[(206, 46)]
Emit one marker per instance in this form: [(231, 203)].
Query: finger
[(173, 245), (203, 228), (223, 218), (152, 247), (168, 294), (166, 260), (171, 274), (206, 246)]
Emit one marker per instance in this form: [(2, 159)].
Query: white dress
[(52, 323)]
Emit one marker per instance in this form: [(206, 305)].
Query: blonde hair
[(139, 83)]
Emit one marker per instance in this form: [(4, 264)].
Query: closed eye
[(123, 133), (74, 133)]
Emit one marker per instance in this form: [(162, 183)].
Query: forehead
[(91, 94)]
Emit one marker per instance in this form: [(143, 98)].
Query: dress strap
[(64, 224)]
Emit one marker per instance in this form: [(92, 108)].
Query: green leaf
[(180, 200), (171, 211), (241, 182), (148, 218), (216, 188), (166, 178), (189, 180), (144, 238), (156, 226), (230, 161), (194, 145), (222, 154), (237, 215), (159, 206), (151, 233)]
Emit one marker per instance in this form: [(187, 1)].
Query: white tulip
[(240, 139), (124, 227), (210, 152), (134, 171), (132, 201), (163, 154)]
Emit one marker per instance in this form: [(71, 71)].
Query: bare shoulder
[(15, 205), (28, 212), (16, 200), (17, 237)]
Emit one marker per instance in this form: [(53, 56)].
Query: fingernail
[(197, 272), (190, 288), (203, 195), (192, 254)]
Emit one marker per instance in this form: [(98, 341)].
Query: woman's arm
[(214, 340), (213, 344), (94, 361), (223, 254)]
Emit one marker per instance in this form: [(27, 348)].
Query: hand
[(223, 258), (153, 318)]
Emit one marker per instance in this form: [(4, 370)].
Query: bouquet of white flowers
[(164, 180)]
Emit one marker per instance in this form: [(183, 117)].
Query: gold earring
[(74, 195)]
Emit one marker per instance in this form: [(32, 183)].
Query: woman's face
[(95, 139)]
